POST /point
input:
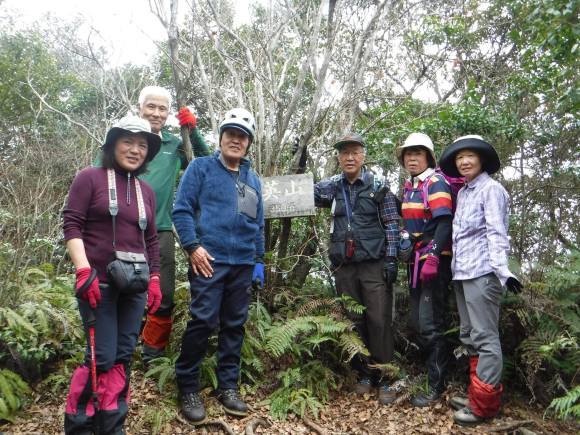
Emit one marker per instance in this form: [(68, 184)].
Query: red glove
[(89, 291), (154, 293), (430, 268), (186, 118)]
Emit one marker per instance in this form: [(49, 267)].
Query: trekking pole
[(91, 322), (257, 286)]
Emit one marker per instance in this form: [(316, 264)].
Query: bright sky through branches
[(126, 28)]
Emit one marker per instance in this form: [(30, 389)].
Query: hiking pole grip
[(91, 318)]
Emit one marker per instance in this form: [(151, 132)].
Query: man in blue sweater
[(219, 218)]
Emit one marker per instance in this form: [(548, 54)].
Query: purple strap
[(418, 253)]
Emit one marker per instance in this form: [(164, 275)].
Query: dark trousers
[(167, 272), (221, 300), (365, 283), (117, 327), (429, 321), (118, 319)]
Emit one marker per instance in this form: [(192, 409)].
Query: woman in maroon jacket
[(94, 237)]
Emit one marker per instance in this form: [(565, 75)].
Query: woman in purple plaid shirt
[(480, 271)]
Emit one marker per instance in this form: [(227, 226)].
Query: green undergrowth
[(38, 330)]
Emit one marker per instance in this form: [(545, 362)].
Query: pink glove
[(89, 291), (186, 118), (430, 268), (153, 293)]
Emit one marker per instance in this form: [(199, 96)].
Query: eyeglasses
[(354, 154)]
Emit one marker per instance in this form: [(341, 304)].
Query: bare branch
[(55, 110)]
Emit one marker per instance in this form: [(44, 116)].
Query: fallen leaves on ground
[(345, 414)]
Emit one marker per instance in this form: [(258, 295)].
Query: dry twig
[(316, 428), (254, 423), (226, 427), (221, 423), (508, 427)]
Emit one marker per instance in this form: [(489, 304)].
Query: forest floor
[(344, 414)]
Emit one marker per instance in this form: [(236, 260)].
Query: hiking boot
[(363, 386), (422, 400), (458, 402), (232, 402), (192, 407), (387, 394), (466, 417)]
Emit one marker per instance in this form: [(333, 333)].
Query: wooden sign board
[(288, 196)]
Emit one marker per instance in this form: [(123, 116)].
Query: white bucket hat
[(132, 124), (416, 140)]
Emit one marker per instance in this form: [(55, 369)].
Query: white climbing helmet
[(240, 119)]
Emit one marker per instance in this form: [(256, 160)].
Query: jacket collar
[(361, 176), (245, 163), (480, 180), (422, 176)]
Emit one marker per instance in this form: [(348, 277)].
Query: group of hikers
[(118, 227)]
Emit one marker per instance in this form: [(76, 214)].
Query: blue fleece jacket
[(210, 212)]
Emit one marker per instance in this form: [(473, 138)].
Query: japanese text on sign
[(288, 196)]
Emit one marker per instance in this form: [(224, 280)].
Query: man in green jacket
[(154, 105)]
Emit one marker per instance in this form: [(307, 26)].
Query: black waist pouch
[(129, 272)]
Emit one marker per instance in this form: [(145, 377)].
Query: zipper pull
[(128, 188)]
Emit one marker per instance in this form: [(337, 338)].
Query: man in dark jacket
[(219, 217), (363, 251)]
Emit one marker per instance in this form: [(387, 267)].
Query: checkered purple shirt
[(480, 230)]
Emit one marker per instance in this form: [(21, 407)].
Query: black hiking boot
[(387, 395), (192, 407), (232, 402), (422, 400), (363, 386)]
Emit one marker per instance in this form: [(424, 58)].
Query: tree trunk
[(298, 166), (302, 268), (173, 41)]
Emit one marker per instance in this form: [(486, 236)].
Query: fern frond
[(351, 305), (281, 337), (11, 319), (302, 401), (351, 345), (568, 405), (13, 392), (388, 370), (327, 325), (315, 305)]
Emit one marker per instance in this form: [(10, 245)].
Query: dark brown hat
[(349, 138), (489, 159)]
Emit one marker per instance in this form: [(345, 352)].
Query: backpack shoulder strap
[(425, 191), (437, 174)]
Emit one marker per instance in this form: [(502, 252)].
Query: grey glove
[(390, 270)]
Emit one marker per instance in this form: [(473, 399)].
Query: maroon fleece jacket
[(87, 217)]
